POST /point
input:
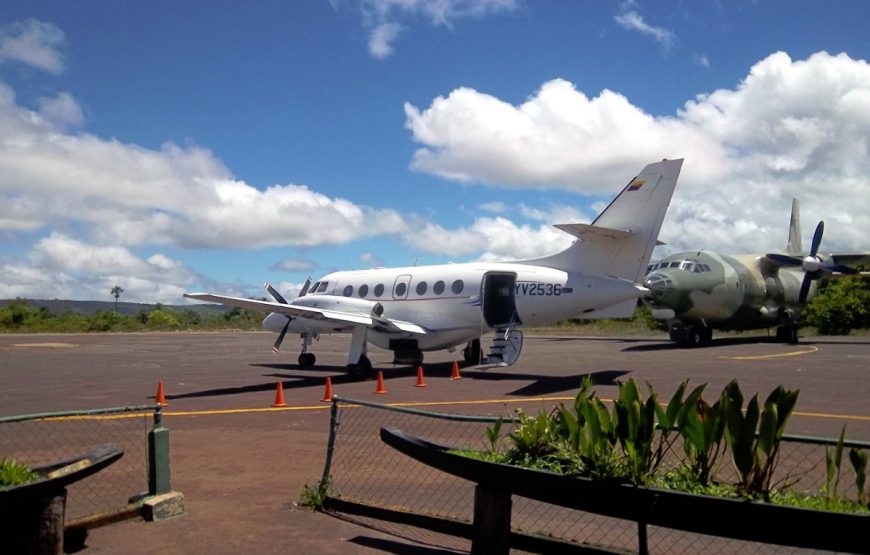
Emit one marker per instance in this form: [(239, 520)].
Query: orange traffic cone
[(161, 397), (380, 389), (279, 396), (454, 375), (420, 382), (327, 393)]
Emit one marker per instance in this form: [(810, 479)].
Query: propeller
[(812, 265), (279, 298)]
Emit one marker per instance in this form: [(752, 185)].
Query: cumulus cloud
[(791, 128), (179, 195), (495, 238), (34, 43), (386, 19), (62, 267)]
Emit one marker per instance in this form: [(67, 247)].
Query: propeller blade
[(784, 259), (305, 287), (817, 238), (805, 288), (275, 294), (281, 335)]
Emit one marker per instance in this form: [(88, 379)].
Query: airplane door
[(497, 299), (400, 288)]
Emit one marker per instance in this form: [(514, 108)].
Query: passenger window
[(421, 288), (438, 288), (322, 287), (401, 288), (363, 290), (379, 289), (457, 286), (348, 291)]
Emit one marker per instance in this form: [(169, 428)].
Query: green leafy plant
[(15, 474), (667, 423), (314, 496), (858, 459), (635, 424), (833, 459), (701, 427), (754, 437), (493, 434)]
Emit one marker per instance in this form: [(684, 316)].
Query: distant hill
[(88, 308)]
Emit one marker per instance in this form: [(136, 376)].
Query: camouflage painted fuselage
[(739, 292)]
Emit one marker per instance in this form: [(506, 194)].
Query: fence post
[(330, 445), (492, 522), (158, 457)]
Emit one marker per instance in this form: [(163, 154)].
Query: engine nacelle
[(341, 304)]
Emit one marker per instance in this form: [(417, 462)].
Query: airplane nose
[(658, 284)]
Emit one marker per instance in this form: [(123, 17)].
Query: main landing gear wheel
[(307, 360), (471, 352), (361, 370)]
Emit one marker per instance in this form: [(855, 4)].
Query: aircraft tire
[(693, 336), (307, 360), (793, 335), (361, 370), (471, 352), (706, 335)]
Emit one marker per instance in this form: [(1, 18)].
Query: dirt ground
[(242, 472)]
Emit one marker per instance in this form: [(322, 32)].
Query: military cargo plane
[(699, 291), (425, 308)]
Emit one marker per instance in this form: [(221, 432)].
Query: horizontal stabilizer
[(581, 230)]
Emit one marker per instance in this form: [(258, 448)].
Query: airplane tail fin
[(620, 241), (794, 246)]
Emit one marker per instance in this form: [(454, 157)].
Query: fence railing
[(37, 439), (370, 483)]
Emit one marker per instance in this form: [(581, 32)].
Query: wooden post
[(34, 524), (492, 522)]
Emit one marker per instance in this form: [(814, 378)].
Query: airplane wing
[(859, 261), (313, 313)]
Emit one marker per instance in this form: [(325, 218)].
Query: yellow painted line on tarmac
[(832, 416), (821, 415), (298, 408), (812, 349)]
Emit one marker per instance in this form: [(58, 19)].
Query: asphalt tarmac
[(242, 464)]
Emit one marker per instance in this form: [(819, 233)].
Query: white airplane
[(428, 308)]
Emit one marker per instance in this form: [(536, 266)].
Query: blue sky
[(180, 146)]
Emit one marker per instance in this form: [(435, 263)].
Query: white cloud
[(790, 129), (294, 265), (64, 268), (369, 259), (496, 238), (382, 17), (128, 195), (633, 21), (33, 43)]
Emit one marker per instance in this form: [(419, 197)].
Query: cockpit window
[(322, 287), (313, 288)]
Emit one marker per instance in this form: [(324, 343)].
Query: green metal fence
[(371, 484), (37, 439)]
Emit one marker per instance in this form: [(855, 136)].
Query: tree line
[(841, 305), (20, 317)]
